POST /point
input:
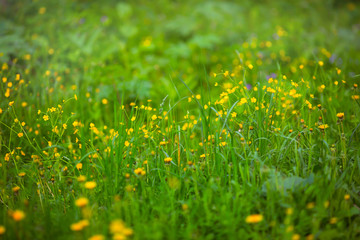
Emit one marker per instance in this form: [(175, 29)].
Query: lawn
[(179, 119)]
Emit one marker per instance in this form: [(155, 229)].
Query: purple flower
[(272, 75), (248, 86), (332, 58), (104, 19)]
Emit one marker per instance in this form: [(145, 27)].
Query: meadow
[(179, 119)]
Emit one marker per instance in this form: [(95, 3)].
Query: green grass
[(194, 119)]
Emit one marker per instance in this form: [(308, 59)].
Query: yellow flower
[(7, 93), (154, 117), (81, 178), (289, 211), (295, 237), (127, 143), (21, 174), (18, 215), (42, 10), (97, 237), (2, 230), (310, 205), (133, 118), (254, 218), (81, 202), (46, 118), (139, 171), (340, 115), (20, 135), (333, 220), (323, 126), (79, 166), (118, 228), (104, 101), (79, 225), (90, 185), (15, 189), (243, 100), (347, 197), (167, 160)]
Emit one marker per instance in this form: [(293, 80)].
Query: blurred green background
[(142, 48)]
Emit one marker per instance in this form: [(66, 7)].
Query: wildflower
[(333, 220), (7, 93), (42, 10), (2, 230), (321, 63), (81, 202), (46, 118), (90, 185), (254, 218), (133, 118), (154, 117), (81, 178), (18, 215), (97, 237), (21, 174), (15, 189), (310, 237), (20, 135), (295, 237), (79, 225), (104, 101), (340, 115), (11, 103), (347, 197), (289, 211), (168, 160), (79, 166), (139, 171), (310, 205), (118, 228), (242, 101), (127, 143), (323, 127)]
